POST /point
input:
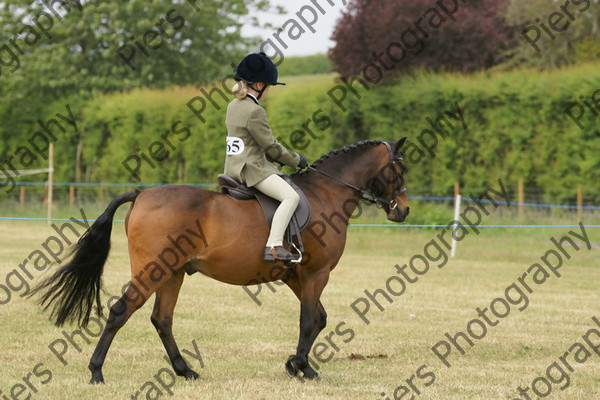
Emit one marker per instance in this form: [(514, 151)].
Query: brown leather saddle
[(299, 220)]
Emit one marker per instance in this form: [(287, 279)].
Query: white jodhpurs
[(274, 186)]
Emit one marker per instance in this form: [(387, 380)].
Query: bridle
[(398, 187)]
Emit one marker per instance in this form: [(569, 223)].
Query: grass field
[(244, 346)]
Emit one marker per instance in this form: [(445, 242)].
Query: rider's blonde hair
[(240, 89)]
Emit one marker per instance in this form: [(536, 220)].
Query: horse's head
[(389, 183)]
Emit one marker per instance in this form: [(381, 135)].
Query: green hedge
[(305, 65), (517, 129)]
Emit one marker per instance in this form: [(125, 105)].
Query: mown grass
[(244, 346)]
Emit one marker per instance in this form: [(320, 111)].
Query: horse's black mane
[(344, 150)]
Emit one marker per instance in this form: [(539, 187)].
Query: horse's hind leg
[(162, 319), (118, 316)]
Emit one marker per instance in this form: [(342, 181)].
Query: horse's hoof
[(96, 380), (290, 370), (315, 378), (311, 374), (291, 366), (191, 375)]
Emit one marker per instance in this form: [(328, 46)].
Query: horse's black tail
[(70, 292)]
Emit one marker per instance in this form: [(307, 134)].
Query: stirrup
[(271, 254), (299, 259)]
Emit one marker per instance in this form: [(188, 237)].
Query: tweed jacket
[(249, 140)]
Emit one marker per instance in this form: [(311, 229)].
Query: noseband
[(398, 187)]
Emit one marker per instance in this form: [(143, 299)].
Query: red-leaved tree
[(453, 35)]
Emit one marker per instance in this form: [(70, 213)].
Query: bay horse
[(176, 229)]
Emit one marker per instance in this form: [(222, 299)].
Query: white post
[(50, 180), (455, 226)]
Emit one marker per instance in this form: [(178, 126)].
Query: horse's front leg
[(313, 319)]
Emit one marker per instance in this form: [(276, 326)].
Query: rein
[(368, 196)]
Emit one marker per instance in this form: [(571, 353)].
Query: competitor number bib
[(235, 146)]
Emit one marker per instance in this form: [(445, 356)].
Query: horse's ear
[(399, 145)]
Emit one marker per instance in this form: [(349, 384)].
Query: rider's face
[(266, 92)]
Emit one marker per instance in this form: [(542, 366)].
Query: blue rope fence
[(426, 198), (214, 185), (106, 185)]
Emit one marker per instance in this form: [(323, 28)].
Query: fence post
[(71, 196), (579, 202), (456, 189), (455, 226), (22, 196), (50, 180), (521, 198)]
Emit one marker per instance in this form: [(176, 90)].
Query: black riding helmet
[(257, 67)]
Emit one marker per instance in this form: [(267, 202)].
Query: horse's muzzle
[(397, 214)]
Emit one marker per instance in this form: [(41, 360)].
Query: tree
[(109, 46), (574, 37), (58, 52), (409, 34)]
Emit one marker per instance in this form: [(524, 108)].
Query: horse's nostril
[(407, 211)]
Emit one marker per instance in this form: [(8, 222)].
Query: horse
[(176, 229)]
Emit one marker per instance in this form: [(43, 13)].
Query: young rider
[(250, 146)]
